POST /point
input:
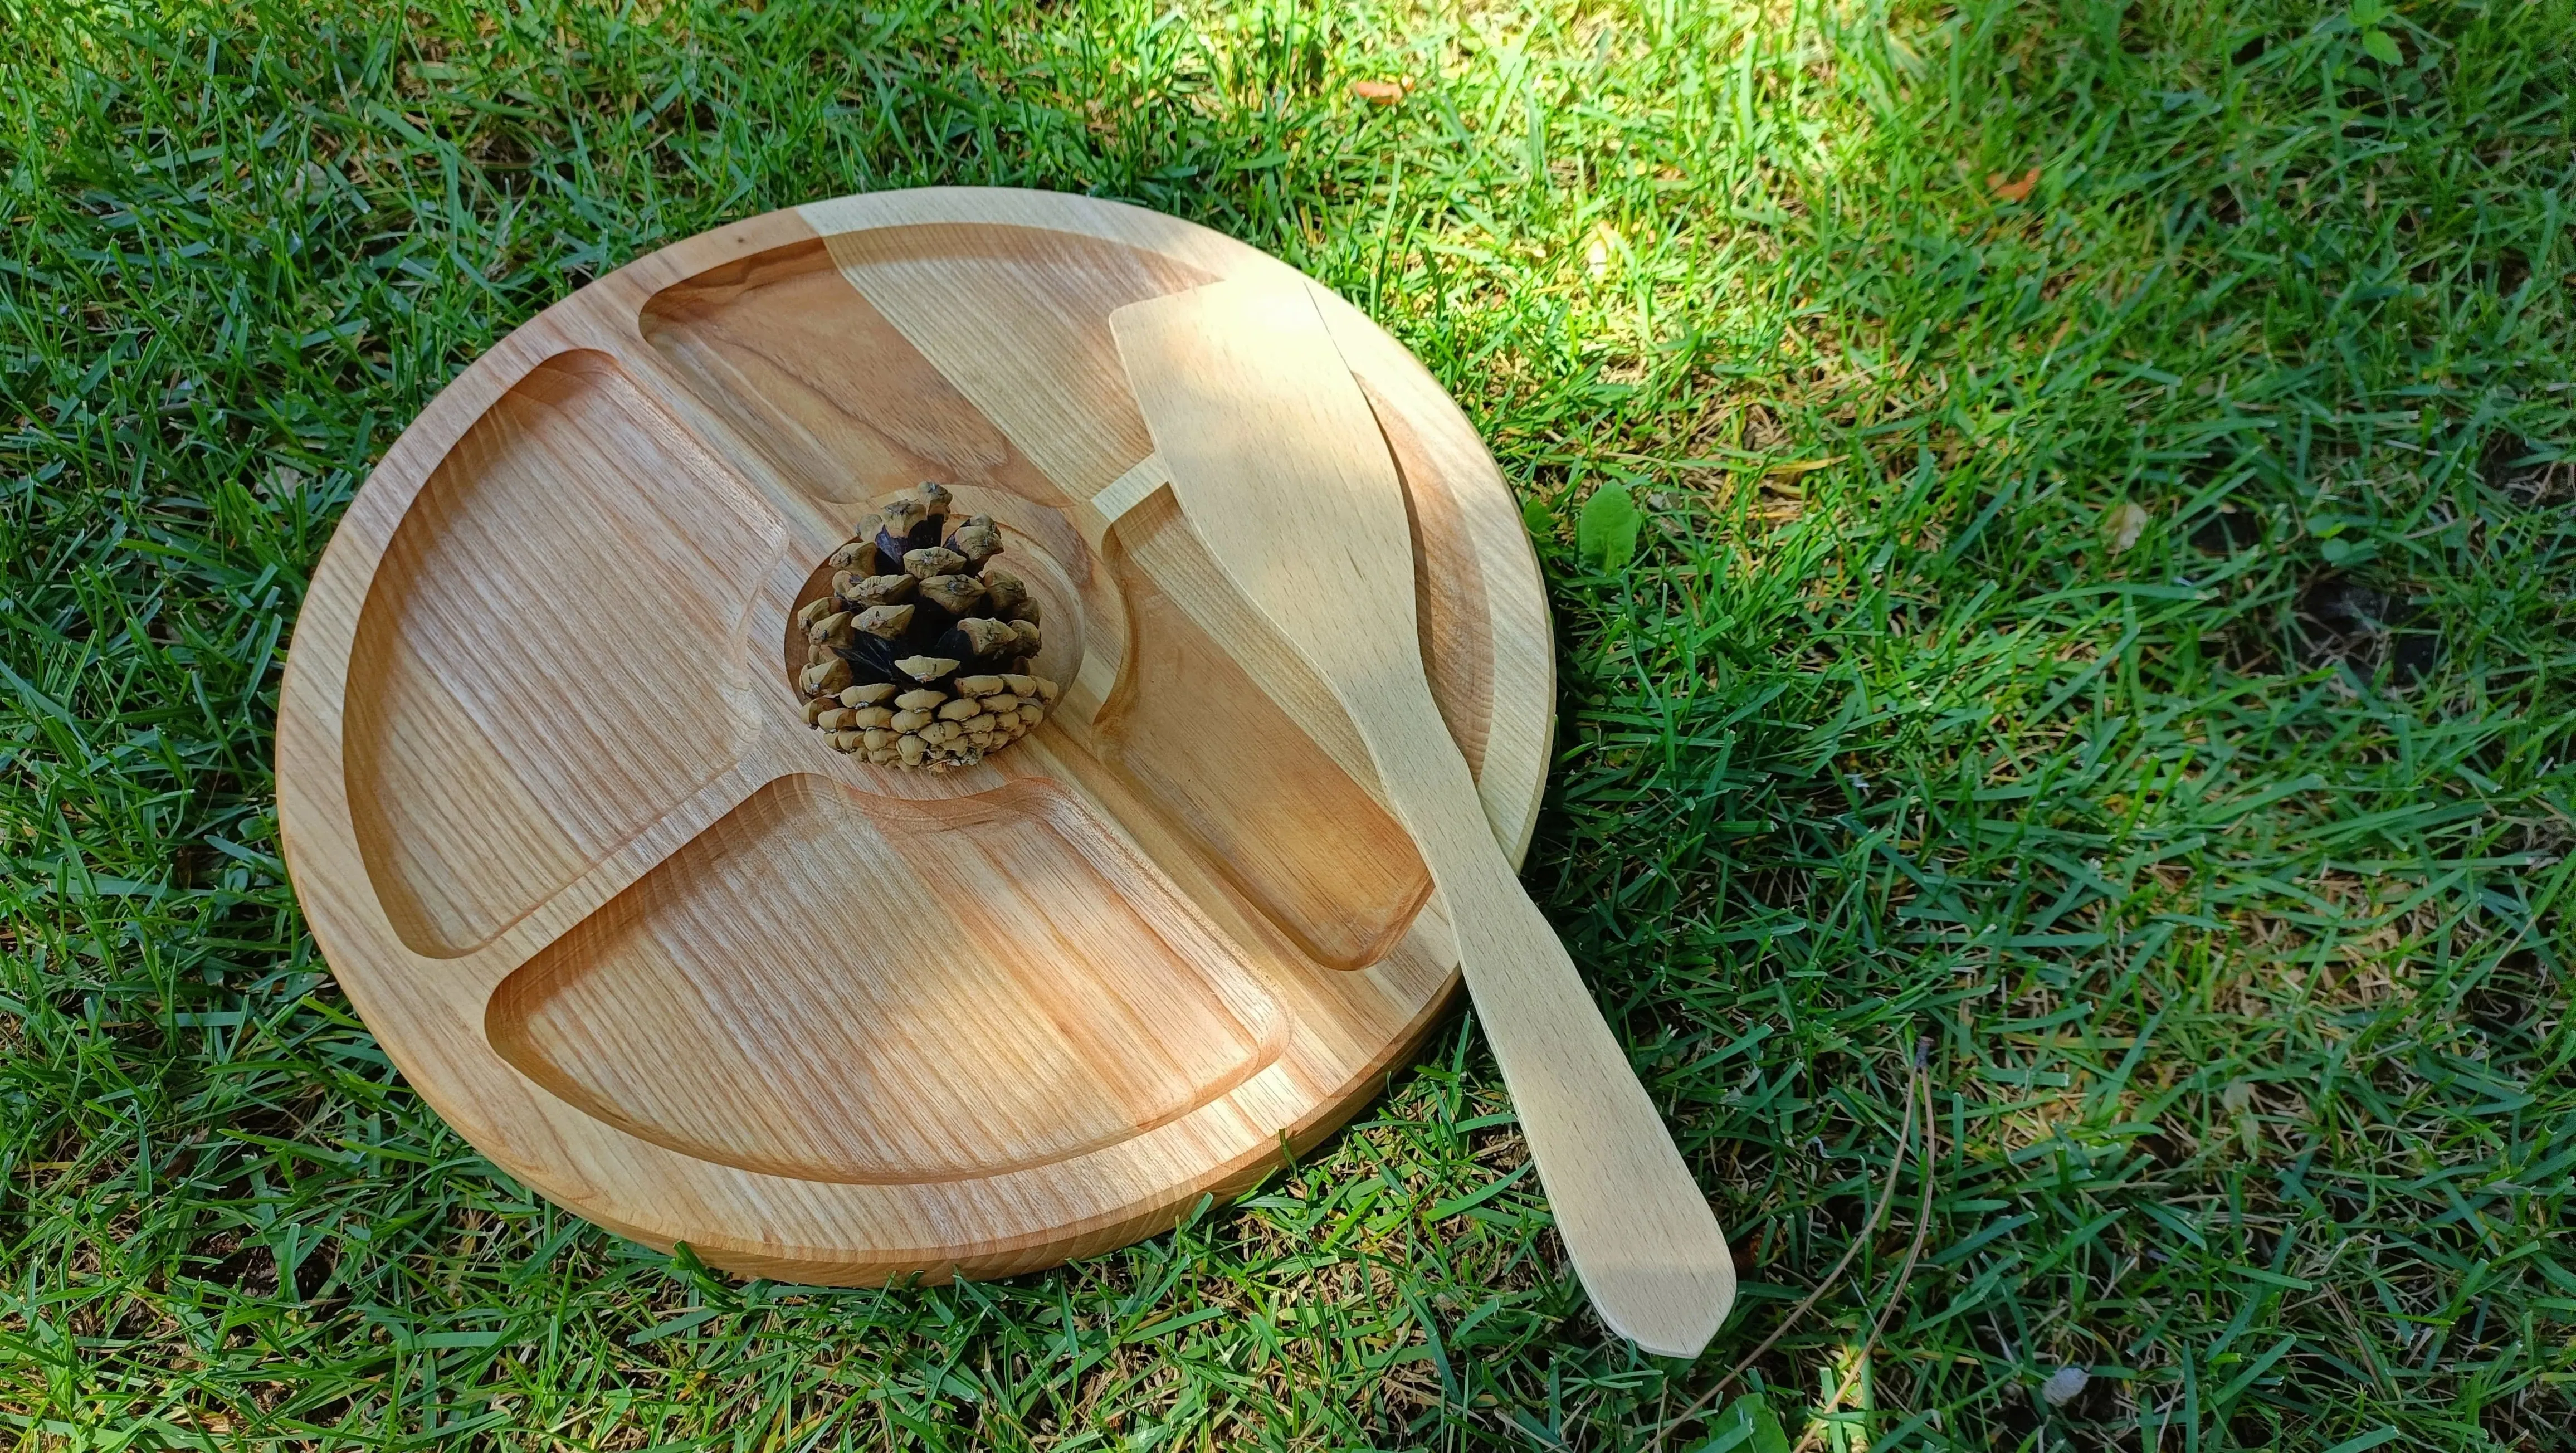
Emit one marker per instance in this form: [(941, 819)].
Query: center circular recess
[(917, 641)]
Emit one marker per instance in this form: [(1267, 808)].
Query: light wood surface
[(651, 946), (1280, 468)]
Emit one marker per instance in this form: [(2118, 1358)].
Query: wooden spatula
[(1279, 467)]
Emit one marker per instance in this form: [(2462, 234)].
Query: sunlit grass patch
[(2100, 619)]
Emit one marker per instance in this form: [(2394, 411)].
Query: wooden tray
[(553, 811)]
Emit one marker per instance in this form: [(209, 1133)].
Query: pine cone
[(897, 671)]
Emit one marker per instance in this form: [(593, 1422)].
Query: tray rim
[(351, 927)]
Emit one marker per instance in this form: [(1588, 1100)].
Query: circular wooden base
[(644, 939)]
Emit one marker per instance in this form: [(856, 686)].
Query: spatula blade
[(1278, 463)]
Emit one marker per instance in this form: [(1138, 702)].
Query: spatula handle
[(1640, 1233), (1284, 473)]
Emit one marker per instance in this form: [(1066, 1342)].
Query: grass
[(2103, 624)]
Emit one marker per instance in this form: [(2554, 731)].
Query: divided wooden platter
[(555, 817)]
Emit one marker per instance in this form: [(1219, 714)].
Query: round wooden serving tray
[(646, 941)]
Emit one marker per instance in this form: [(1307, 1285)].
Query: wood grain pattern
[(1329, 865), (1018, 319), (762, 342), (557, 823), (1279, 465), (539, 564), (961, 911)]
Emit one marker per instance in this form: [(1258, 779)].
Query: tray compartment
[(528, 687), (815, 985), (1279, 819), (813, 375), (1017, 319)]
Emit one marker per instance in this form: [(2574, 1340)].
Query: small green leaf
[(2366, 14), (1536, 519), (1747, 1426), (1606, 531), (2382, 49), (2336, 550)]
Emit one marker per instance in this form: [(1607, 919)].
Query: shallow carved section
[(1017, 318), (529, 684), (1286, 826), (815, 987), (816, 378)]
